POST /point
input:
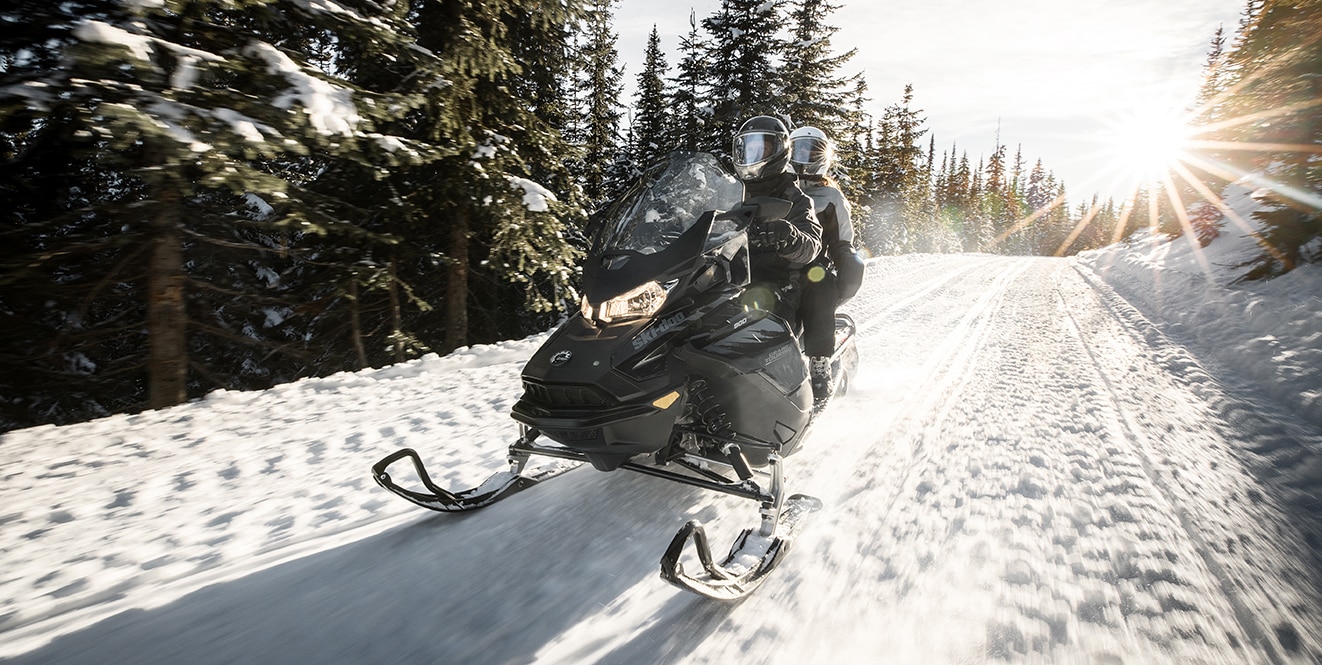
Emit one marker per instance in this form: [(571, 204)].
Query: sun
[(1144, 145)]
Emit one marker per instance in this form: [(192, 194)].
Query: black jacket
[(784, 263)]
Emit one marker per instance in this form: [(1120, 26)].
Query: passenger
[(837, 272)]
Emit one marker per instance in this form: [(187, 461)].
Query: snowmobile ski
[(750, 560), (499, 486)]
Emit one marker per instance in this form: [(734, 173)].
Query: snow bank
[(136, 510), (1268, 331)]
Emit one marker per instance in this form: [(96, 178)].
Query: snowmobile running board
[(754, 554)]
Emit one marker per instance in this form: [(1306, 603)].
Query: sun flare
[(1145, 145)]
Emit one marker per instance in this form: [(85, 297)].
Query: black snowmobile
[(670, 369)]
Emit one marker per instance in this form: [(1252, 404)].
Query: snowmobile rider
[(837, 272), (779, 248)]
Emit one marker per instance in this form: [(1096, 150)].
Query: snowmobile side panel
[(607, 436), (754, 368)]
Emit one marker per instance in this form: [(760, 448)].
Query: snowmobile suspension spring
[(709, 411)]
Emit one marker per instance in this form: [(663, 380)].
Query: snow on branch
[(38, 94), (336, 9), (251, 130), (168, 116), (330, 108), (141, 6), (96, 32), (536, 198)]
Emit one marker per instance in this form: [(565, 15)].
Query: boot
[(819, 370)]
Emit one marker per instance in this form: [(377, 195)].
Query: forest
[(232, 194)]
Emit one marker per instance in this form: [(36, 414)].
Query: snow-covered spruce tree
[(168, 114), (691, 109), (899, 162), (508, 243), (743, 65), (1266, 104), (815, 91), (1015, 191), (993, 202), (653, 137), (600, 113)]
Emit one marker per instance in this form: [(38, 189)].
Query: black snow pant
[(820, 298)]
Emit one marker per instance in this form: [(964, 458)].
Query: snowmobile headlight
[(643, 301)]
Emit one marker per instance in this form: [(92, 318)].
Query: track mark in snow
[(869, 459), (1266, 615), (1010, 516)]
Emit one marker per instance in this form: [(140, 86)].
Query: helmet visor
[(756, 147), (809, 150)]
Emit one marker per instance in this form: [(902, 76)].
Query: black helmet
[(760, 149)]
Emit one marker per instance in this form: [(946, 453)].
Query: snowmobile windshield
[(667, 202)]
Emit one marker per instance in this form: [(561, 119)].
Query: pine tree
[(599, 90), (1214, 74), (692, 115), (994, 195), (507, 230), (652, 134), (1266, 93), (900, 164), (743, 75), (815, 93), (853, 169), (164, 133), (1038, 194)]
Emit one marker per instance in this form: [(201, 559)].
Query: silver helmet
[(811, 152)]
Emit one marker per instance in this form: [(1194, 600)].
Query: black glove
[(771, 235)]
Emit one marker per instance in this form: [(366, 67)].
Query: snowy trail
[(1026, 470)]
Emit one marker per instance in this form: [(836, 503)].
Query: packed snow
[(1112, 458)]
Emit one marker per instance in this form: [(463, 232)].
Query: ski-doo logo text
[(561, 357), (662, 327)]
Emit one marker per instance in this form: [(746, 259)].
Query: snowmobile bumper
[(607, 436)]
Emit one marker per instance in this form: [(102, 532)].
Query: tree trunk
[(355, 323), (396, 316), (167, 320), (456, 283)]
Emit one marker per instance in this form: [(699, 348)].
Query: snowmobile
[(672, 368)]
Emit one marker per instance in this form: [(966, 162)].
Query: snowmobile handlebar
[(757, 208)]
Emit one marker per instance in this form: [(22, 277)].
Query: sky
[(1057, 77), (1007, 479)]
